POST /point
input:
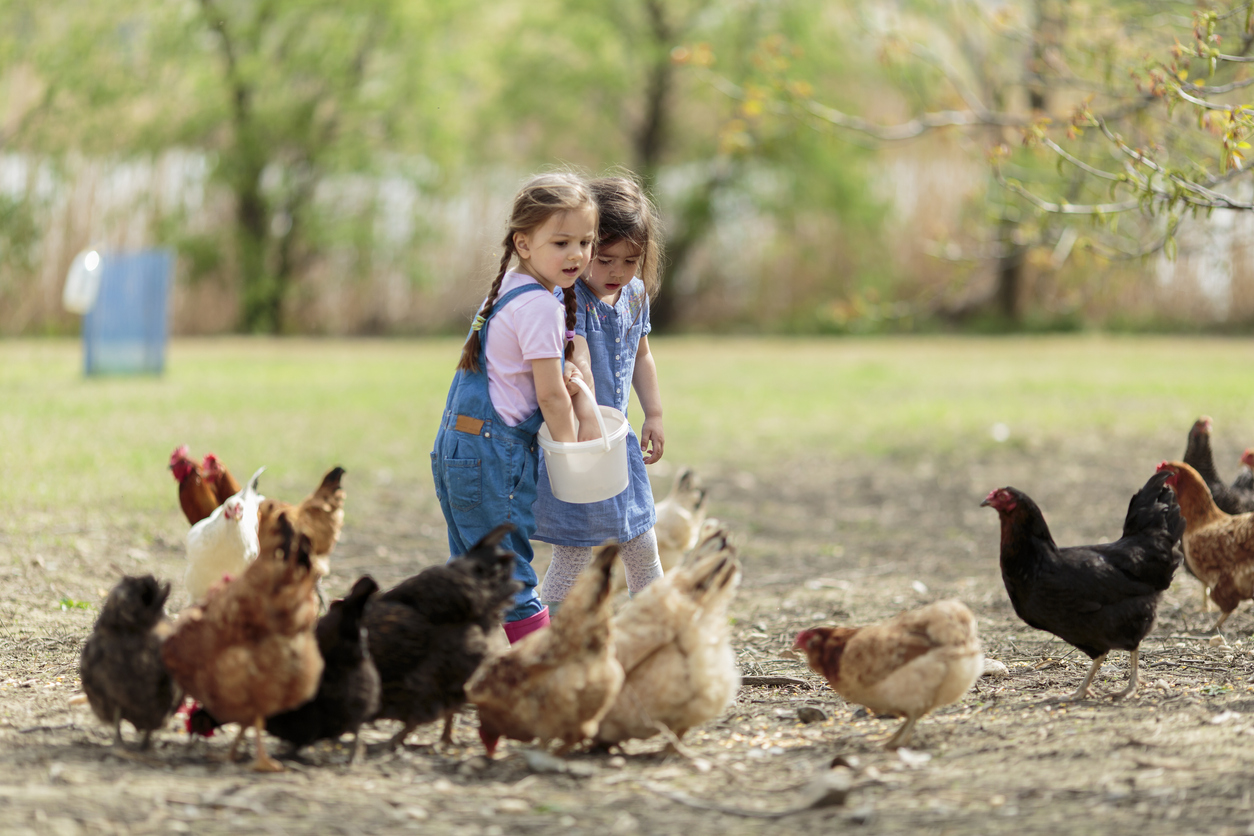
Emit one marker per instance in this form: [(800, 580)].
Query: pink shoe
[(515, 630)]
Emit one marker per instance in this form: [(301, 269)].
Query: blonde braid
[(572, 308), (470, 351)]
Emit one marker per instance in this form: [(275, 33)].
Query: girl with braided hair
[(485, 460), (612, 328)]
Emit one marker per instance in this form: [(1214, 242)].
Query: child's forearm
[(554, 400), (644, 381)]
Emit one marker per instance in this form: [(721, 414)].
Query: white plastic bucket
[(589, 471)]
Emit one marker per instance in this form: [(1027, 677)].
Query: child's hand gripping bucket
[(589, 471)]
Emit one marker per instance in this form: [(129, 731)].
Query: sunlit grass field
[(72, 447)]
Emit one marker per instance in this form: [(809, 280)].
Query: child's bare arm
[(555, 401), (584, 411), (644, 379)]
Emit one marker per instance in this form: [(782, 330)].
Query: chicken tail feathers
[(1154, 518), (250, 490), (1153, 509), (330, 484)]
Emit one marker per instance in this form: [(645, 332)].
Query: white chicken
[(679, 518), (673, 641), (225, 542)]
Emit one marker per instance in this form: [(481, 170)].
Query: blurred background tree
[(345, 168)]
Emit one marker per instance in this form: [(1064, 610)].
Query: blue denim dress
[(485, 470), (613, 333)]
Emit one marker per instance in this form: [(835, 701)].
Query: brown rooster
[(1218, 547), (556, 683), (249, 651), (219, 478), (909, 665), (196, 496)]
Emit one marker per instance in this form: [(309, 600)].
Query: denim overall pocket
[(464, 480)]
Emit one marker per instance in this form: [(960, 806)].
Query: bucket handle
[(605, 435)]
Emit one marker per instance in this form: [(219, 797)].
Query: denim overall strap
[(485, 470)]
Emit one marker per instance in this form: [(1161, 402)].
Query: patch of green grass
[(72, 447)]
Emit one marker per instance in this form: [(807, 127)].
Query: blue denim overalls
[(485, 470), (613, 333)]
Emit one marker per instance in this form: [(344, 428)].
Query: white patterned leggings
[(639, 556)]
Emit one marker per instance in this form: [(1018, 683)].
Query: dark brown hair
[(539, 199), (628, 215)]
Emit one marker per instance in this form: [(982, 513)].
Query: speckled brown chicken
[(556, 683), (1219, 547), (248, 651), (908, 665)]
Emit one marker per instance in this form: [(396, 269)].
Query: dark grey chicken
[(120, 666), (348, 693), (431, 632)]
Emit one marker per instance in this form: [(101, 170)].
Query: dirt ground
[(845, 541)]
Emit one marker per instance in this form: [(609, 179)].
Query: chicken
[(219, 478), (1097, 598), (120, 666), (1237, 498), (673, 641), (908, 665), (1245, 478), (249, 652), (431, 632), (1218, 547), (679, 518), (348, 693), (223, 543), (556, 683), (196, 496), (320, 516)]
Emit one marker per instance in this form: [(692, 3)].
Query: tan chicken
[(556, 683), (249, 651), (1218, 547), (320, 516), (673, 641), (679, 518), (908, 665)]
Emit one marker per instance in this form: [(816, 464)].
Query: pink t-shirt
[(531, 327)]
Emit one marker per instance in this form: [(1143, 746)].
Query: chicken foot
[(233, 751), (263, 763), (1131, 689), (903, 734), (399, 738), (1083, 691), (1222, 618)]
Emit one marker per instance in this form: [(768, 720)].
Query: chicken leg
[(903, 734), (1083, 691), (263, 763), (1131, 689), (399, 738), (446, 737), (1222, 618)]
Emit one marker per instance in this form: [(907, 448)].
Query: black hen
[(430, 633), (1099, 598), (121, 668), (1237, 498), (348, 693)]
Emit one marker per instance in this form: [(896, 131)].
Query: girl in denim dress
[(612, 348)]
